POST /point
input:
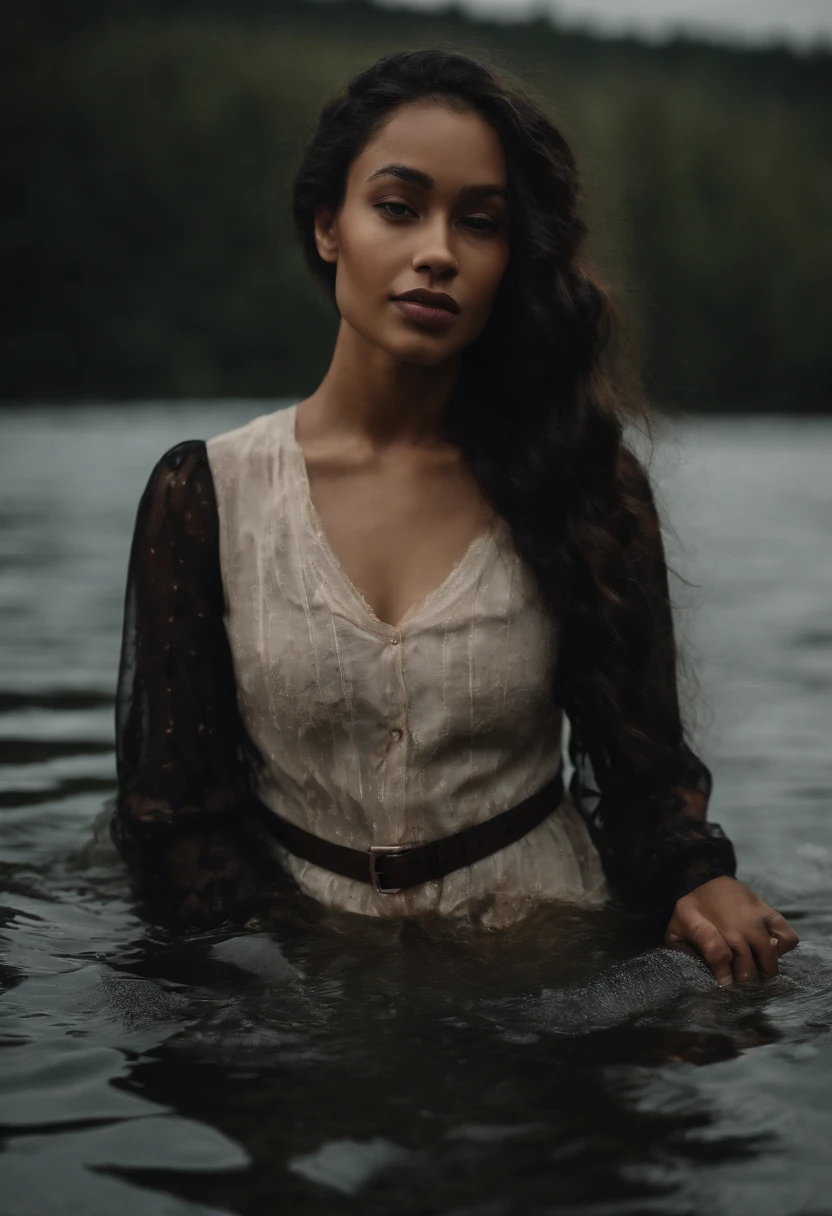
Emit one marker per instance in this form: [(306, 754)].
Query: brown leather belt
[(392, 868)]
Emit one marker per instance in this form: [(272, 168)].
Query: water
[(326, 1064)]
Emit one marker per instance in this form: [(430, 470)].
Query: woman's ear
[(325, 236)]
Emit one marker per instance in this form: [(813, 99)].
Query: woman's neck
[(371, 397)]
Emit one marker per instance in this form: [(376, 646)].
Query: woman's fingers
[(740, 937), (764, 950), (780, 929), (743, 965), (714, 949)]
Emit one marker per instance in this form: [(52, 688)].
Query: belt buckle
[(380, 851)]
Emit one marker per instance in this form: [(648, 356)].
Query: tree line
[(147, 243)]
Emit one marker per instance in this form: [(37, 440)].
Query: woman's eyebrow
[(417, 177)]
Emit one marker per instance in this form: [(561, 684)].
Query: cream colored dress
[(379, 735)]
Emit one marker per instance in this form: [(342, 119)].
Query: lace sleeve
[(184, 761), (648, 819)]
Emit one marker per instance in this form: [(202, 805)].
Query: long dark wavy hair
[(545, 392)]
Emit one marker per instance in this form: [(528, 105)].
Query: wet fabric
[(379, 735), (253, 670)]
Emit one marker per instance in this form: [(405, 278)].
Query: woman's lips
[(425, 314)]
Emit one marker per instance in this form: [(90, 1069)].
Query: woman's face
[(426, 207)]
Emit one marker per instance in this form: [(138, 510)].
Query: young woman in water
[(353, 627)]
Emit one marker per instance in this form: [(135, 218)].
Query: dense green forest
[(149, 149)]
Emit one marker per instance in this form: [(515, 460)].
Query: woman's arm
[(184, 760), (649, 820)]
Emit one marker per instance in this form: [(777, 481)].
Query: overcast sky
[(800, 22)]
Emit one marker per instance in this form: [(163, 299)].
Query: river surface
[(313, 1063)]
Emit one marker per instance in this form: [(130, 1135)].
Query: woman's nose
[(435, 252)]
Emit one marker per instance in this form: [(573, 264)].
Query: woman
[(353, 627)]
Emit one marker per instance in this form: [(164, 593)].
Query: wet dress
[(255, 679)]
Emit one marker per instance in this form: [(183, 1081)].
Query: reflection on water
[(338, 1065)]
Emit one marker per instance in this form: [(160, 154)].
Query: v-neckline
[(315, 525)]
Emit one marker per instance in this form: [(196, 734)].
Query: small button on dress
[(469, 690)]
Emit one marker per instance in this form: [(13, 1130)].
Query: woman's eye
[(483, 223), (477, 223), (395, 215)]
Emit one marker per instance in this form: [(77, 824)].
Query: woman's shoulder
[(190, 468), (179, 476), (178, 503), (254, 436), (247, 463), (190, 452)]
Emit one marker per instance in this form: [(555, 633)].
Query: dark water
[(322, 1064)]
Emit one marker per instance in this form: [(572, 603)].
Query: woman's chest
[(395, 532), (477, 656)]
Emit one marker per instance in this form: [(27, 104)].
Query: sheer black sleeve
[(184, 760), (648, 817)]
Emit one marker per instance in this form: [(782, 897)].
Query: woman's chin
[(420, 352)]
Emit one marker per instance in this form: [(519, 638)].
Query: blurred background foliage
[(149, 150)]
